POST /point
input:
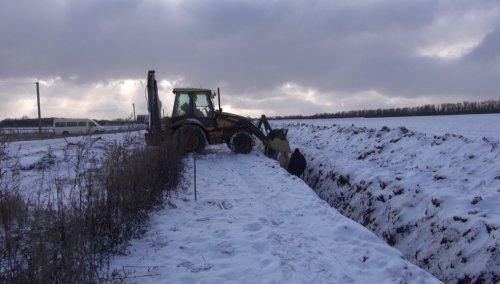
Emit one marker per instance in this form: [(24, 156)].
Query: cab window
[(181, 105), (202, 105)]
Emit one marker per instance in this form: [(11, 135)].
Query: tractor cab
[(194, 103)]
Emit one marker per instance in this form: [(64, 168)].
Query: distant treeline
[(489, 106), (47, 122)]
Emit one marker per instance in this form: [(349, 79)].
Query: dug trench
[(457, 243)]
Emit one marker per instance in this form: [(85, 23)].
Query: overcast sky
[(277, 57)]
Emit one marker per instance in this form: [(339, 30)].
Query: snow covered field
[(475, 126), (431, 195), (36, 164)]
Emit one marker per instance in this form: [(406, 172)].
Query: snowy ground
[(254, 223), (435, 197)]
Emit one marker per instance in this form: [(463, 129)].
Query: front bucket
[(278, 147)]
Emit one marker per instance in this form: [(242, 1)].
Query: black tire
[(65, 133), (241, 142), (190, 138)]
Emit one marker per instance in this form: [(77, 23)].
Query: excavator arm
[(155, 133), (263, 121), (275, 141)]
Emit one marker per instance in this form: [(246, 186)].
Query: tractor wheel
[(241, 142), (190, 138)]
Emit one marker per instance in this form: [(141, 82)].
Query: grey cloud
[(488, 51), (248, 46)]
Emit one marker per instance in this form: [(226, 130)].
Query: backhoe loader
[(195, 122)]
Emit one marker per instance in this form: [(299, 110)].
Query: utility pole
[(133, 105), (39, 113)]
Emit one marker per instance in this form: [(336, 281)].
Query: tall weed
[(69, 238)]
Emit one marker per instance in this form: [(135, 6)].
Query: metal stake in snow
[(194, 162)]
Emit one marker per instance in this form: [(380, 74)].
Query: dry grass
[(70, 238)]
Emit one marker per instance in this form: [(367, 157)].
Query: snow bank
[(435, 198)]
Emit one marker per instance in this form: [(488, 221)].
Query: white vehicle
[(67, 126)]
